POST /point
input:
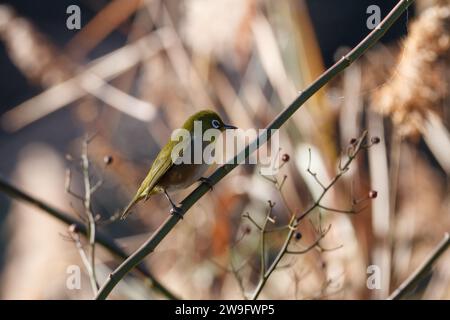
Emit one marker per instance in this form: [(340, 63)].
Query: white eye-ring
[(215, 124)]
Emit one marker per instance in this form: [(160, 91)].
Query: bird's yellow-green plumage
[(164, 175)]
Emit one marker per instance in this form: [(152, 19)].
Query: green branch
[(100, 238), (150, 245)]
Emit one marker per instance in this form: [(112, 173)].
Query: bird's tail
[(127, 211)]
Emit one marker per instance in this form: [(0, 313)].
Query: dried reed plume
[(419, 82)]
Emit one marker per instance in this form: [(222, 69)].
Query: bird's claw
[(207, 181), (176, 211)]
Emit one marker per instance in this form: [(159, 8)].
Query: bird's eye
[(215, 124)]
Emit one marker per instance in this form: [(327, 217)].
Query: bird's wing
[(160, 166)]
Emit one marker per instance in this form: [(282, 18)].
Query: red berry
[(373, 194), (108, 160)]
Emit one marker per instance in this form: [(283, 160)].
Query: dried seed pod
[(373, 194), (108, 160)]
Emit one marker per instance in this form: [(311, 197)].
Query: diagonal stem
[(422, 271), (150, 245)]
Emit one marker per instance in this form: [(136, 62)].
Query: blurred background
[(137, 69)]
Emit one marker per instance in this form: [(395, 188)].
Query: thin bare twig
[(263, 240), (238, 278), (314, 174), (249, 217), (101, 238), (88, 211), (73, 234), (68, 186), (88, 214), (313, 245), (351, 154)]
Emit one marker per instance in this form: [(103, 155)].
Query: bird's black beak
[(229, 126)]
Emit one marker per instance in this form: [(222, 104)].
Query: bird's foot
[(207, 181), (177, 212)]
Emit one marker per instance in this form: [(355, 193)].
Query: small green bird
[(165, 175)]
